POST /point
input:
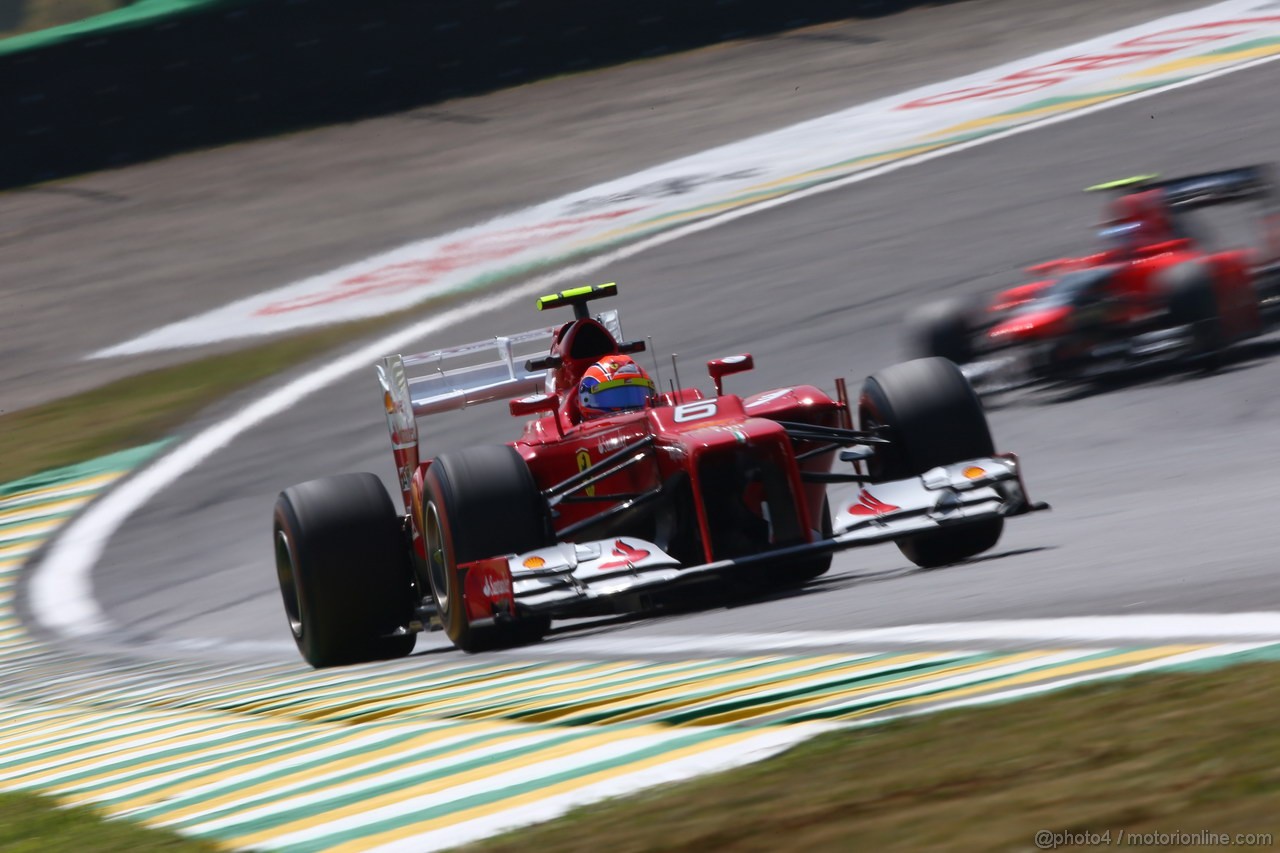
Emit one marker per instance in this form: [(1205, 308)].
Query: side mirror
[(532, 405), (730, 364)]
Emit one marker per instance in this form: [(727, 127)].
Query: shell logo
[(533, 562), (973, 472)]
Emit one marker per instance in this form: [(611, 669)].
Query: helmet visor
[(616, 395), (1121, 234)]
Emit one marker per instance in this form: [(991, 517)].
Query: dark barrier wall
[(237, 70)]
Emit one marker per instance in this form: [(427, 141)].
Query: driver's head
[(614, 384), (1138, 219)]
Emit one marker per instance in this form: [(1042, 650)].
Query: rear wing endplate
[(1247, 183), (1230, 186), (444, 380)]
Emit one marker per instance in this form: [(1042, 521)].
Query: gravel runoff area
[(90, 261)]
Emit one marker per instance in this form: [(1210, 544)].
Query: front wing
[(570, 576)]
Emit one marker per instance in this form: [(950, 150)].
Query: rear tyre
[(933, 417), (941, 329), (344, 570), (1193, 302), (481, 502)]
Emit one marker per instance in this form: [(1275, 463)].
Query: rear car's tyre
[(480, 502), (344, 570), (1193, 302), (933, 417), (941, 329)]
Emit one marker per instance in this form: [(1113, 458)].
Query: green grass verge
[(145, 408), (30, 824), (1165, 753)]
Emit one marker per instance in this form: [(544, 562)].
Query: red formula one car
[(1154, 292), (616, 493)]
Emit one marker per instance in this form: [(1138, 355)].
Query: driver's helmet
[(1120, 237), (614, 384)]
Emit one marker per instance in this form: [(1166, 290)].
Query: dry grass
[(30, 824), (40, 14), (145, 408)]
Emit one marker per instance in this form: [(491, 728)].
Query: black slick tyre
[(940, 329), (480, 502), (933, 417), (1192, 301), (344, 570)]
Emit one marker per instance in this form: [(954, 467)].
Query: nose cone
[(1036, 324)]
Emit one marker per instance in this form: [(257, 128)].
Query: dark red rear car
[(1154, 291)]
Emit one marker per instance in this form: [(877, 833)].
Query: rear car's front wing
[(579, 576)]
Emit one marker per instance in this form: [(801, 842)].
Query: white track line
[(61, 593), (1161, 627)]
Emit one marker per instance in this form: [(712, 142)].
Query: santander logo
[(496, 587)]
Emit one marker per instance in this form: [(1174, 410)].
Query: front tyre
[(933, 417), (344, 570), (478, 503)]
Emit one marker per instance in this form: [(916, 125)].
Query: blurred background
[(91, 83)]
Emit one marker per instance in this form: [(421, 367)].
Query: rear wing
[(445, 380), (1248, 183), (1231, 186)]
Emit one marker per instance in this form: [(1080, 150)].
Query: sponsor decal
[(608, 444), (496, 587), (1129, 52), (694, 411), (468, 252), (665, 188), (584, 462), (628, 556), (769, 397), (533, 562), (487, 588), (869, 504), (973, 472)]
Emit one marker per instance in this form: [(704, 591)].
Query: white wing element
[(575, 572), (444, 380), (950, 494), (591, 560), (560, 577)]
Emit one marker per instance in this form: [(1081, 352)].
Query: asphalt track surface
[(1163, 490)]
